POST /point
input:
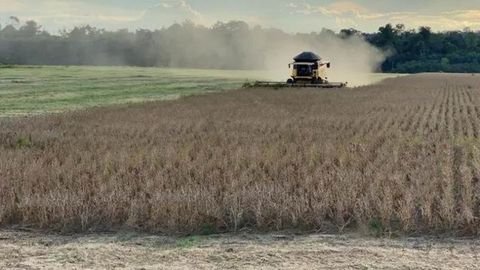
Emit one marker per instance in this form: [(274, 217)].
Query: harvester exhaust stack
[(308, 70)]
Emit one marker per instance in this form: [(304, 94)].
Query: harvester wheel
[(290, 81)]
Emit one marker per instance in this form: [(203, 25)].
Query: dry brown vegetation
[(399, 156)]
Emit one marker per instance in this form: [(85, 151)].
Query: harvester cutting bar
[(298, 85)]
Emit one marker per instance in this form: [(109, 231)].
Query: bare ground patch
[(31, 250)]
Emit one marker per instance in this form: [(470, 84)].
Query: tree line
[(422, 50), (230, 45)]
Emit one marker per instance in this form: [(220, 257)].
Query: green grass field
[(27, 90), (34, 90)]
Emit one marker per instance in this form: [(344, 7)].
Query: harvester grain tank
[(307, 70)]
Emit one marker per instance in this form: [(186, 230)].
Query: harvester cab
[(308, 68)]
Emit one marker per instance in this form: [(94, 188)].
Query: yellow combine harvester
[(308, 70)]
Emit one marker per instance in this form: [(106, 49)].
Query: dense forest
[(231, 45), (425, 51)]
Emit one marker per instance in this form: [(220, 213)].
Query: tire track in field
[(469, 95), (440, 122), (404, 120), (449, 114), (391, 124), (346, 126), (427, 118), (363, 123), (379, 122), (417, 122), (414, 112), (467, 122), (462, 104), (473, 112), (382, 158), (435, 117), (472, 115), (457, 115), (381, 117), (473, 120), (396, 121)]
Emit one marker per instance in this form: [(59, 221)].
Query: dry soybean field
[(398, 157)]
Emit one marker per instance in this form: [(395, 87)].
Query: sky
[(289, 15)]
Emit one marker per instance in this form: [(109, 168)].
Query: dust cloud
[(353, 60), (233, 45), (236, 45)]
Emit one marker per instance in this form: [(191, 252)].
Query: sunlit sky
[(288, 15)]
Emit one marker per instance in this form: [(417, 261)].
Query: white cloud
[(334, 9), (58, 14), (11, 5), (350, 14), (179, 9), (292, 5)]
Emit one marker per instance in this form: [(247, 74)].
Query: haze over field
[(257, 36), (232, 45), (247, 35)]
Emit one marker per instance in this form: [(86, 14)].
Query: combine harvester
[(308, 70)]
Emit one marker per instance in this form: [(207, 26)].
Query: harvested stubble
[(402, 155)]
